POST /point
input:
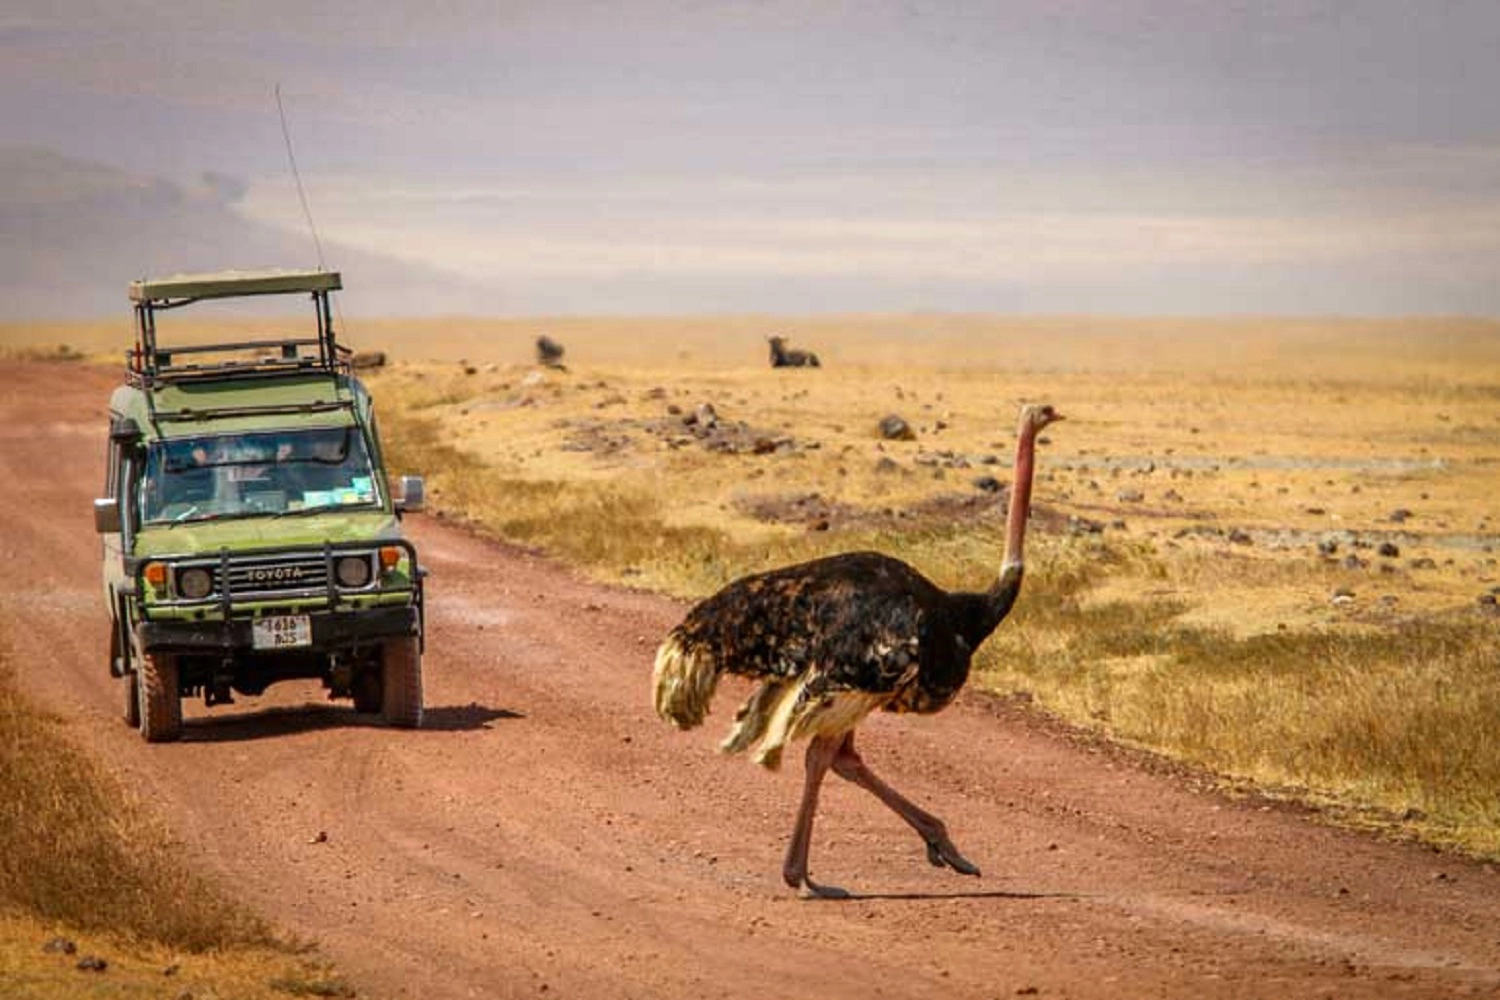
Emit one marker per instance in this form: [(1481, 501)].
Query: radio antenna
[(297, 176)]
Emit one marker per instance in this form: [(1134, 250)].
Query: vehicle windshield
[(254, 474)]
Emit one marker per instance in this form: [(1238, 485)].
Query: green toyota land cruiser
[(250, 533)]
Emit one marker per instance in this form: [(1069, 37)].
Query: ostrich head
[(1035, 416)]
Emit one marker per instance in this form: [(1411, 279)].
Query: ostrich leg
[(847, 764), (820, 754)]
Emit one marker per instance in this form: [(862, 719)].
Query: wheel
[(401, 683), (131, 682), (369, 693), (160, 703)]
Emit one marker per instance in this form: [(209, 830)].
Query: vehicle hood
[(296, 531)]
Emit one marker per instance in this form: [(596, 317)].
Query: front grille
[(268, 576), (274, 576)]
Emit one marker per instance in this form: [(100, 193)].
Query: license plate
[(281, 632)]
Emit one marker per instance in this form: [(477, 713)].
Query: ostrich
[(784, 357), (832, 640)]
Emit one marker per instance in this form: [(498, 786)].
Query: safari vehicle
[(250, 534)]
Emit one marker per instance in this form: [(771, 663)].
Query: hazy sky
[(1072, 156)]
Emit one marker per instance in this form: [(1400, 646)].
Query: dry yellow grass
[(150, 971), (83, 862)]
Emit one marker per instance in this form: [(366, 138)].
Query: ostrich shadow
[(289, 720), (853, 896)]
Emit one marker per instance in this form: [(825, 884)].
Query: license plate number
[(281, 632)]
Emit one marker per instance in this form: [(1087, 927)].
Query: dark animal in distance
[(790, 357), (830, 641), (549, 352)]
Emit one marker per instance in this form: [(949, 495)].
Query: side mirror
[(413, 495), (125, 431), (107, 516)]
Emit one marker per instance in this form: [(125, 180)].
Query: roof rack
[(150, 363)]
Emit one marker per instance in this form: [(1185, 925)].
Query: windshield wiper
[(190, 516), (323, 509)]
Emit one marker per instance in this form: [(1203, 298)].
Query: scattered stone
[(92, 963), (1239, 536), (1399, 515), (894, 428), (988, 484), (1388, 550), (1424, 562), (1314, 511), (1342, 596), (1352, 561), (887, 466), (1130, 496), (1327, 547), (59, 946), (1488, 600), (1084, 526), (321, 837), (1172, 496), (705, 416)]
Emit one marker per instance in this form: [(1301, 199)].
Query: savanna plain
[(1264, 548), (1264, 551)]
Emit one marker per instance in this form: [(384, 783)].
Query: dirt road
[(547, 835)]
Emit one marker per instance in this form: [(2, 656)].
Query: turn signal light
[(156, 574), (390, 555)]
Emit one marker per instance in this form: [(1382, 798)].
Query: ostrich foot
[(808, 889), (942, 854)]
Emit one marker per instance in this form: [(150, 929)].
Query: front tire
[(401, 683), (159, 700)]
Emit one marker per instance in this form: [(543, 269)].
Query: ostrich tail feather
[(684, 681)]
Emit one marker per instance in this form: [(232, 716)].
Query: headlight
[(194, 583), (352, 571)]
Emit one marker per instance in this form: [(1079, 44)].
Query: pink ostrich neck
[(1020, 496)]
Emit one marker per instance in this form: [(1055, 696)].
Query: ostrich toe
[(942, 854)]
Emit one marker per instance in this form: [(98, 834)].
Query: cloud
[(953, 227)]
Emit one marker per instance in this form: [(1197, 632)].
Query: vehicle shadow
[(268, 723)]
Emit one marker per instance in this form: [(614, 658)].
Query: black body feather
[(860, 621)]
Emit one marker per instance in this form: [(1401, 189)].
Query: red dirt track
[(546, 834)]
